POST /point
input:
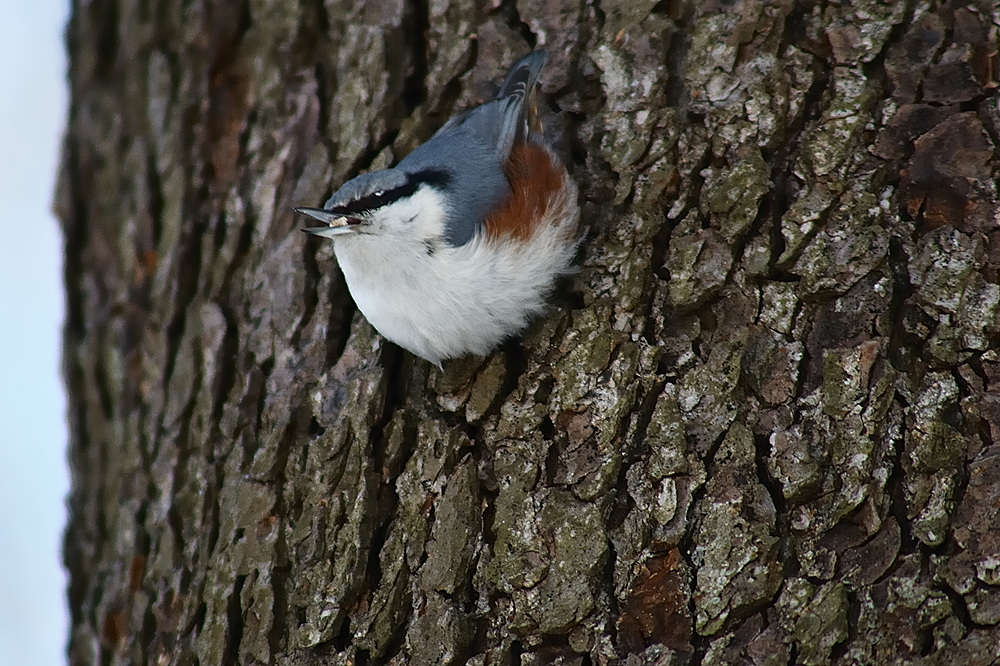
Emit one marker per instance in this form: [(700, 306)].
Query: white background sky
[(33, 475)]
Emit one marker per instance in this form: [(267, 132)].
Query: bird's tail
[(523, 74), (520, 82), (511, 117)]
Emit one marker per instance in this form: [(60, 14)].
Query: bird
[(458, 247)]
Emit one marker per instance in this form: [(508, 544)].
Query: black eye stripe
[(374, 201), (436, 177)]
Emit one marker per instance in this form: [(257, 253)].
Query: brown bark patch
[(656, 608), (946, 181)]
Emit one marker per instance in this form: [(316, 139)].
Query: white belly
[(453, 301)]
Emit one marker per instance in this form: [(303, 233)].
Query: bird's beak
[(333, 223)]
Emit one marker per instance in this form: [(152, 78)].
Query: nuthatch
[(457, 247)]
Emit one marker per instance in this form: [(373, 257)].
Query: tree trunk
[(762, 425)]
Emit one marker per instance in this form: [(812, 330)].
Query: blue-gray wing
[(506, 119), (473, 148)]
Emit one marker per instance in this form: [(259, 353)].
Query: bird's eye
[(380, 193)]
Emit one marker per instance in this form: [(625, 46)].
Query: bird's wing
[(510, 116), (474, 147)]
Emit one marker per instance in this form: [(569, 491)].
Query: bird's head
[(389, 202)]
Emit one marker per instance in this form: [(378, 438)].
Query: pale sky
[(33, 475)]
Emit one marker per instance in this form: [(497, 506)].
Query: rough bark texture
[(763, 426)]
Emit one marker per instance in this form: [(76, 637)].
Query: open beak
[(333, 223)]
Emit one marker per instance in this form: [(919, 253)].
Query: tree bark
[(761, 426)]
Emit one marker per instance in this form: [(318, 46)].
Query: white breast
[(442, 302)]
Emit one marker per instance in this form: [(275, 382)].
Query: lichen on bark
[(758, 425)]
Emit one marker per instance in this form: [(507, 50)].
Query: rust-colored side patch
[(534, 177)]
